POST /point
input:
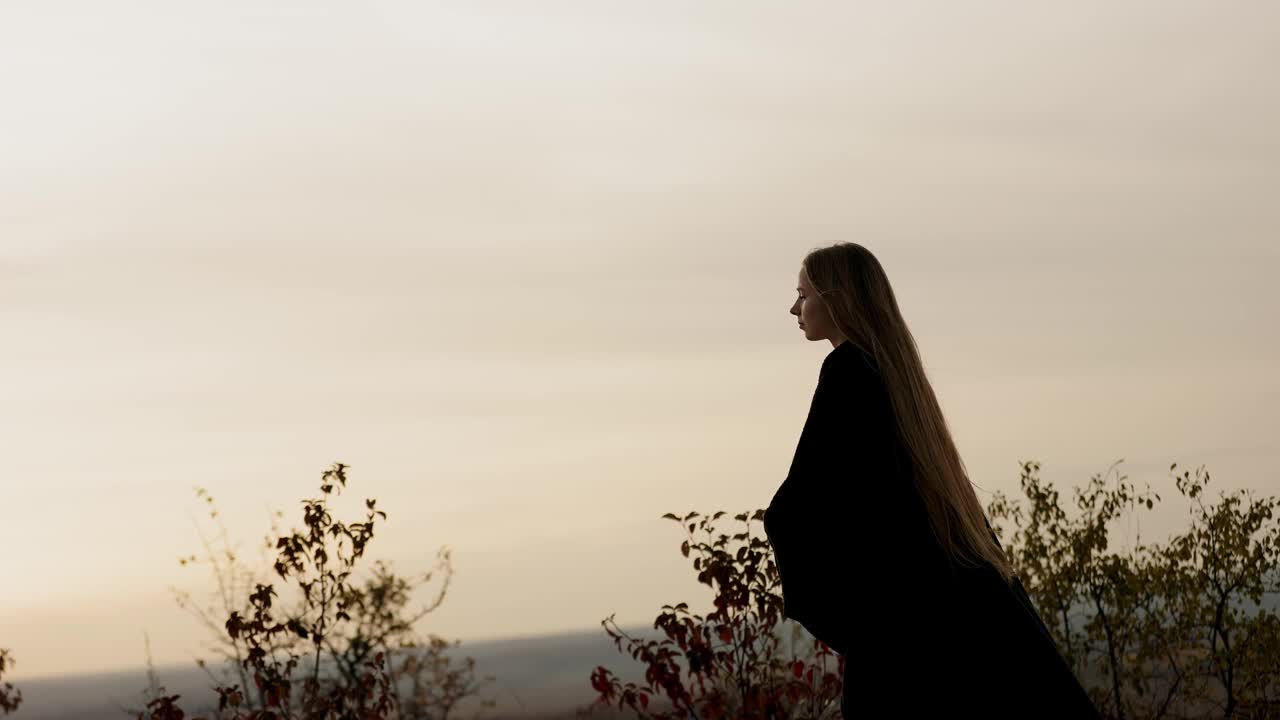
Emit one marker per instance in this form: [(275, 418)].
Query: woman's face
[(812, 314)]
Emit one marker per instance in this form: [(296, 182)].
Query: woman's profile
[(882, 547)]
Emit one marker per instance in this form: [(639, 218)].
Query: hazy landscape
[(543, 676)]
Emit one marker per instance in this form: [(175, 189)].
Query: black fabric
[(862, 571)]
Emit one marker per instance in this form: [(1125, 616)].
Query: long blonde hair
[(857, 293)]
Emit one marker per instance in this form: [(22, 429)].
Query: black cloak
[(862, 571)]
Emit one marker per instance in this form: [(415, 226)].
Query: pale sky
[(526, 267)]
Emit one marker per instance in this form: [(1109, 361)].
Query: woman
[(883, 550)]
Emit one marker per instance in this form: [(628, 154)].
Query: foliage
[(350, 624), (10, 697), (1175, 630), (234, 583), (727, 664)]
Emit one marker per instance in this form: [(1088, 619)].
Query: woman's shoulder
[(850, 362)]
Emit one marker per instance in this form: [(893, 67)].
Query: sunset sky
[(526, 267)]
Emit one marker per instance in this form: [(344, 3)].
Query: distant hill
[(545, 676), (535, 678)]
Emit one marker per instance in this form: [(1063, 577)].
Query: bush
[(1178, 630), (728, 664), (356, 627), (10, 697)]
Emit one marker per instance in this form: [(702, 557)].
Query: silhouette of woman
[(883, 550)]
